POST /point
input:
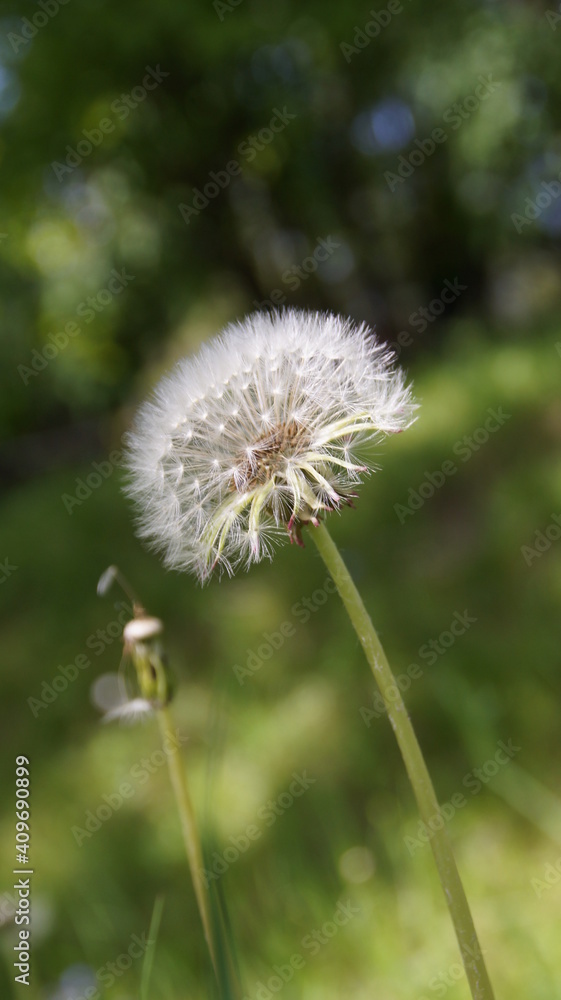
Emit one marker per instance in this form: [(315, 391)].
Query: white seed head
[(258, 433)]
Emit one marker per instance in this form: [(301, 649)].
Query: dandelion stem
[(188, 827), (419, 777)]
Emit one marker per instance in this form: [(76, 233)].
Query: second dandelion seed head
[(258, 435)]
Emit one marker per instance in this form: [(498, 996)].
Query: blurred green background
[(94, 168)]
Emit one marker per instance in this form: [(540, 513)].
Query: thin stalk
[(188, 828), (150, 952), (419, 777)]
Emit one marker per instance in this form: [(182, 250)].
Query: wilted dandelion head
[(258, 434)]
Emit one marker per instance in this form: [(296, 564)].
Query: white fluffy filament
[(258, 434)]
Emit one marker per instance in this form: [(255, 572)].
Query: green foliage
[(310, 705)]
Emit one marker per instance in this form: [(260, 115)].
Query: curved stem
[(188, 827), (419, 777)]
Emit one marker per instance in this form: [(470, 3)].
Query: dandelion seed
[(130, 712), (106, 579), (277, 449)]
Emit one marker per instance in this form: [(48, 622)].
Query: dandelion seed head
[(259, 432)]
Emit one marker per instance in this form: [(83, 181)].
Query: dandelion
[(259, 435)]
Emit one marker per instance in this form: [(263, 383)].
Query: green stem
[(419, 777), (188, 827)]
